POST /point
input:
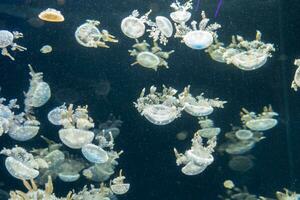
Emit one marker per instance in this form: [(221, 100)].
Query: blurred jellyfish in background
[(182, 135), (241, 163)]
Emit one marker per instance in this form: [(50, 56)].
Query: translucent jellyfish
[(181, 14), (102, 193), (89, 35), (261, 122), (94, 153), (7, 39), (161, 30), (147, 58), (241, 163), (75, 138), (55, 115), (287, 195), (217, 51), (198, 106), (182, 135), (240, 147), (198, 158), (113, 130), (159, 108), (19, 170), (26, 131), (68, 177), (46, 49), (51, 15), (247, 55), (39, 91), (197, 38), (118, 186), (209, 132), (228, 184), (244, 134), (296, 81), (133, 26)]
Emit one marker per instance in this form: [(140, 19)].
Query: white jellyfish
[(46, 49), (244, 134), (133, 26), (55, 115), (24, 131), (89, 35), (181, 14), (7, 39), (94, 153), (39, 91), (159, 108), (161, 30), (75, 138), (118, 186), (68, 177)]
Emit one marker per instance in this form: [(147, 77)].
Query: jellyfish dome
[(164, 25), (148, 60), (244, 134), (192, 169), (75, 138), (197, 109), (160, 114), (198, 39), (68, 177), (249, 60), (94, 153), (51, 15), (20, 170), (180, 16), (133, 27), (240, 147), (24, 132), (209, 132), (6, 38), (261, 124), (201, 158), (87, 34), (55, 115)]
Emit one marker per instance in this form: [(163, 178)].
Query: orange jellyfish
[(51, 15)]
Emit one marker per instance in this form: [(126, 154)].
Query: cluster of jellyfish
[(98, 160)]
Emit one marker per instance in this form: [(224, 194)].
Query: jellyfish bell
[(75, 138), (24, 133), (133, 27), (38, 95), (148, 60), (6, 38), (54, 116), (180, 16), (94, 153), (240, 147), (68, 177), (197, 109), (199, 157), (160, 114), (19, 170), (46, 49), (240, 163), (192, 169), (164, 25), (261, 124), (120, 188), (209, 132), (249, 60), (86, 34), (198, 39), (244, 134), (51, 15)]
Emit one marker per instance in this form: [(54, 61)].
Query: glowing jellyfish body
[(198, 39), (46, 49), (192, 169), (6, 38), (261, 124), (200, 158), (240, 147), (120, 188), (244, 134), (19, 170), (164, 25), (218, 55), (94, 153), (24, 133), (160, 114), (209, 132), (75, 138), (68, 177), (54, 116), (249, 60), (38, 95), (51, 15), (133, 27), (148, 60), (87, 34), (197, 109), (180, 16)]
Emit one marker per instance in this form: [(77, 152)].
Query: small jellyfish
[(51, 15), (241, 163), (198, 39), (160, 114), (94, 153), (75, 138), (181, 13), (244, 134), (19, 170), (7, 39), (228, 184), (182, 135), (46, 49), (118, 186)]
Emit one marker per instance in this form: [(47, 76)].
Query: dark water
[(148, 162)]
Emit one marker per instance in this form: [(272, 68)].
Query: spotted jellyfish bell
[(134, 27), (68, 177), (6, 114), (244, 134), (207, 128), (94, 153), (164, 25), (118, 186), (55, 115), (26, 130), (75, 138), (39, 91)]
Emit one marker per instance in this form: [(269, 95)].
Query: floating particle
[(46, 49), (51, 15)]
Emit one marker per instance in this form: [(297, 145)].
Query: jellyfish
[(181, 14), (118, 186), (241, 163), (75, 138), (161, 30), (46, 49), (7, 40), (94, 153), (51, 15)]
